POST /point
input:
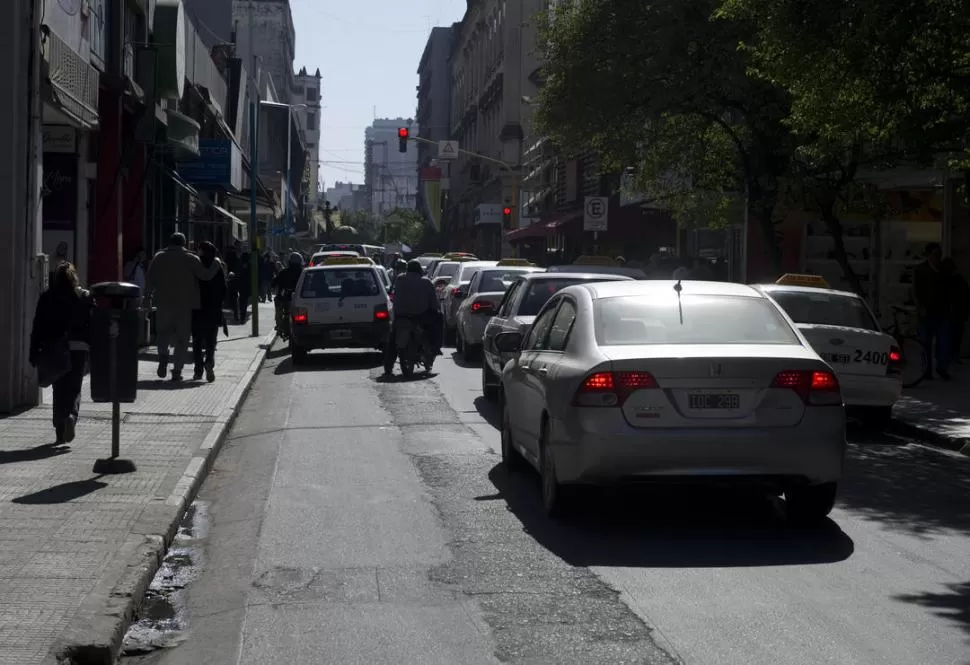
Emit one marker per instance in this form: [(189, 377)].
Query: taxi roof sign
[(455, 256), (595, 261), (347, 261), (795, 279), (524, 263)]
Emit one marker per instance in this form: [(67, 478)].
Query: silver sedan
[(662, 380)]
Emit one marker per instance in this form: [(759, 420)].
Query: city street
[(352, 520)]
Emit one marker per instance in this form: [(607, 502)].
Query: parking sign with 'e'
[(595, 213)]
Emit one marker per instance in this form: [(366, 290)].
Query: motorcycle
[(412, 347)]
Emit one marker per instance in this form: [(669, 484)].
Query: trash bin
[(115, 332)]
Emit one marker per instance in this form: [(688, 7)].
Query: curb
[(929, 436), (97, 640)]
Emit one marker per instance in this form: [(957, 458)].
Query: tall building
[(306, 92), (390, 176), (264, 29), (341, 195), (434, 102), (213, 20)]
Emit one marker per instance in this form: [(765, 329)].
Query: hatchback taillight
[(381, 313), (300, 316), (895, 365), (483, 307), (818, 388), (610, 389)]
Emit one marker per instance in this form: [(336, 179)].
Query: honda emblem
[(716, 369)]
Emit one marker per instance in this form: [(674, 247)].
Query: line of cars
[(607, 379)]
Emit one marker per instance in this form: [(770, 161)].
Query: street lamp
[(289, 137)]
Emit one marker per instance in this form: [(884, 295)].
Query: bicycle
[(911, 347)]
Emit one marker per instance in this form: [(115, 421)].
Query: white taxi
[(340, 304), (842, 329)]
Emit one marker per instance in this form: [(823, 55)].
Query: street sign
[(595, 213), (447, 150)]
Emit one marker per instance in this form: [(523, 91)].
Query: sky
[(368, 53)]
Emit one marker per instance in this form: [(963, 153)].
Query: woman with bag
[(59, 345)]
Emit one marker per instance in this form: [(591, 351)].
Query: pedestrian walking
[(243, 288), (173, 280), (59, 346), (60, 258), (959, 307), (208, 318), (135, 269), (932, 295)]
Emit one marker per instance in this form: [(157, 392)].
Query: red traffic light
[(402, 132), (506, 211)]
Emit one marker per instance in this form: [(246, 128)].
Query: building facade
[(494, 75), (433, 113), (306, 94), (390, 176), (264, 30)]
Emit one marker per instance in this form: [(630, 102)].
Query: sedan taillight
[(611, 389), (818, 388)]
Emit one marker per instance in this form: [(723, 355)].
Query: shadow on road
[(328, 361), (34, 454), (62, 493), (490, 411), (187, 383), (461, 362), (952, 604), (661, 528)]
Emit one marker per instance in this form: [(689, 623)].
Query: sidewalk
[(937, 411), (77, 550)]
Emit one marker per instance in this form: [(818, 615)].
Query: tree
[(367, 227), (405, 226), (873, 84), (659, 86)]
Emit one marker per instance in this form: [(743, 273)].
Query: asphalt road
[(355, 521)]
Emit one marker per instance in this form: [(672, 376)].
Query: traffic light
[(402, 139), (507, 217)]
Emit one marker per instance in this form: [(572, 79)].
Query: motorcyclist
[(283, 285), (415, 299)]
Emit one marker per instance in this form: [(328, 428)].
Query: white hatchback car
[(340, 304), (843, 330), (678, 381)]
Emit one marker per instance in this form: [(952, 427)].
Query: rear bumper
[(601, 448), (328, 336), (473, 328), (870, 390)]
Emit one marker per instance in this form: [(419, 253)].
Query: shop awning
[(542, 229), (239, 230)]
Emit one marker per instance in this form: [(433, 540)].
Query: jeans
[(205, 333), (67, 392), (938, 329), (175, 329)]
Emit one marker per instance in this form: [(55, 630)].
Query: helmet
[(414, 266), (296, 260), (400, 265)]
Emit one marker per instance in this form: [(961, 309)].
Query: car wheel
[(489, 391), (555, 496), (876, 417), (298, 354), (812, 504), (510, 456)]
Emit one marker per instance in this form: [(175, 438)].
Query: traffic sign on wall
[(596, 213)]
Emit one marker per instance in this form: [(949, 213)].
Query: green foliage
[(884, 79), (405, 226)]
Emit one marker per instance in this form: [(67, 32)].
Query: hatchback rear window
[(827, 309), (446, 269), (498, 281), (339, 283), (690, 319)]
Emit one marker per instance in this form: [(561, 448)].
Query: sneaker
[(68, 430), (210, 375), (197, 375), (162, 368)]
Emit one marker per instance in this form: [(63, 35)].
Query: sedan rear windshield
[(827, 309), (339, 283), (498, 281), (690, 319), (446, 269)]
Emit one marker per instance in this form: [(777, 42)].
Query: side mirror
[(508, 342)]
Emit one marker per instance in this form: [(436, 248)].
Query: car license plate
[(840, 358), (340, 334), (714, 401)]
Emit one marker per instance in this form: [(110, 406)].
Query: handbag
[(53, 363)]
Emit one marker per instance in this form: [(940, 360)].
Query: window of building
[(311, 120), (312, 95)]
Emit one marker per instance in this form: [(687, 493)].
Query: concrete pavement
[(76, 548), (937, 412), (360, 521)]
